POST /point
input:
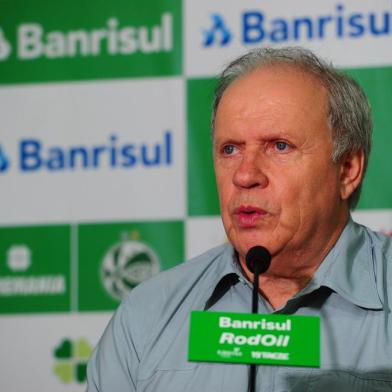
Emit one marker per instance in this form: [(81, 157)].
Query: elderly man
[(291, 143)]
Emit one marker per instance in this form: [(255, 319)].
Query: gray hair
[(349, 110)]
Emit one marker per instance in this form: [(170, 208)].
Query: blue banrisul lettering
[(323, 21), (307, 23), (252, 27), (280, 31), (97, 152), (113, 151), (56, 160), (168, 147), (356, 24), (127, 152), (382, 30), (30, 159), (148, 158), (34, 156), (159, 153), (78, 157), (339, 22)]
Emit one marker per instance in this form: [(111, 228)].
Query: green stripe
[(59, 18), (377, 188), (202, 195)]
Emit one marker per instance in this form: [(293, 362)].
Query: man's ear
[(351, 173)]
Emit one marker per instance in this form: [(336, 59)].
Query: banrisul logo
[(256, 26), (5, 46), (114, 153), (112, 38), (71, 360), (218, 34), (4, 160), (126, 264)]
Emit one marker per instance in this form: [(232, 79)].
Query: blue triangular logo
[(218, 34), (4, 160)]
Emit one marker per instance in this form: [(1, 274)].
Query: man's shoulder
[(380, 254), (165, 300), (381, 244)]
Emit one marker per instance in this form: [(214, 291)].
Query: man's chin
[(242, 244)]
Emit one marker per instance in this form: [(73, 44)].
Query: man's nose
[(250, 172)]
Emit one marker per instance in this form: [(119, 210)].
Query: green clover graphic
[(72, 360)]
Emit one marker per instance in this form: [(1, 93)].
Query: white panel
[(87, 114), (336, 42), (378, 220), (27, 349), (203, 233)]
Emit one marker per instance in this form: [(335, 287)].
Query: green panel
[(269, 339), (202, 195), (114, 257), (377, 189), (34, 269), (114, 39)]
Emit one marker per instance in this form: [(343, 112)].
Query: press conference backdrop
[(105, 157)]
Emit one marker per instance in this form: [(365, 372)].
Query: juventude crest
[(126, 264)]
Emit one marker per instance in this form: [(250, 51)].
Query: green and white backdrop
[(105, 157)]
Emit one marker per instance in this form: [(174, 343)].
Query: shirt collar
[(347, 269), (227, 274)]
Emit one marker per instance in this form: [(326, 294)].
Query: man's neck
[(277, 290), (292, 272)]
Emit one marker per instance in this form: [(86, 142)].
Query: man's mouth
[(248, 216)]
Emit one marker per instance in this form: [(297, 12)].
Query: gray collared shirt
[(144, 347)]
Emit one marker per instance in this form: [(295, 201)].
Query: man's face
[(278, 186)]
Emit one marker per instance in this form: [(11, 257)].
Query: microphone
[(258, 260)]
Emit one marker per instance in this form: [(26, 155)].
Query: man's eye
[(228, 149), (282, 146)]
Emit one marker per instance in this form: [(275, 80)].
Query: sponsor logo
[(218, 33), (4, 160), (255, 27), (5, 47), (71, 360), (34, 155), (126, 264), (19, 259), (34, 42)]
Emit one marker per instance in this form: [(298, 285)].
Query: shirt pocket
[(347, 381)]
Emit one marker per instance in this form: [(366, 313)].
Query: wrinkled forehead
[(275, 91)]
